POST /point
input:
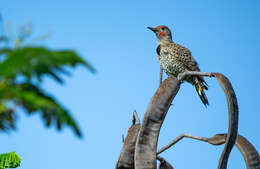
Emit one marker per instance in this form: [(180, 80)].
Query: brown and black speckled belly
[(173, 67)]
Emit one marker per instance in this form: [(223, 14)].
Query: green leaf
[(39, 61), (9, 160), (32, 99), (7, 117), (19, 68)]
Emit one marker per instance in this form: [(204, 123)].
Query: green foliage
[(38, 61), (9, 160), (22, 70), (33, 99)]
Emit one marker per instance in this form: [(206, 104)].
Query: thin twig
[(179, 138), (182, 76)]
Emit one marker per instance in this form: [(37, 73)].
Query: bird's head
[(163, 33)]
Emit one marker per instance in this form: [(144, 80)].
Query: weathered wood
[(146, 144), (164, 164), (232, 119), (251, 156), (248, 151), (178, 139), (126, 158), (232, 112)]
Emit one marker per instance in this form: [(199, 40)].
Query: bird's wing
[(183, 55)]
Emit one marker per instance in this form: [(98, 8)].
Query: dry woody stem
[(140, 146), (248, 151)]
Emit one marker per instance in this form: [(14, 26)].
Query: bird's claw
[(180, 79)]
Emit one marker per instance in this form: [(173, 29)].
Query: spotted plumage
[(175, 59)]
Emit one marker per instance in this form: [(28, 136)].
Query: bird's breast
[(170, 64)]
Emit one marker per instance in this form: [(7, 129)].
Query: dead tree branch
[(164, 164), (146, 144), (126, 157), (178, 139), (136, 119), (248, 151), (232, 112), (139, 149), (182, 76)]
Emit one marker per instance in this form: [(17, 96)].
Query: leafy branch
[(22, 70)]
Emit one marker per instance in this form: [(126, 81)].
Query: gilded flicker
[(175, 59)]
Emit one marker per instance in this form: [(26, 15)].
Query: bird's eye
[(163, 28)]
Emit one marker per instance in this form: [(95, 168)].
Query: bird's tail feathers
[(200, 85), (204, 84)]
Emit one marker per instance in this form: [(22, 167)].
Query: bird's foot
[(180, 77)]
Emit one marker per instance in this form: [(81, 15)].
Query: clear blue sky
[(222, 35)]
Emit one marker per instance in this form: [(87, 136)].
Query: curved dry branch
[(232, 119), (126, 158), (232, 112), (248, 151), (146, 144)]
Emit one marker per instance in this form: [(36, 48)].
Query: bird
[(175, 59)]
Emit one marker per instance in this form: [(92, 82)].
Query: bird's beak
[(152, 29)]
